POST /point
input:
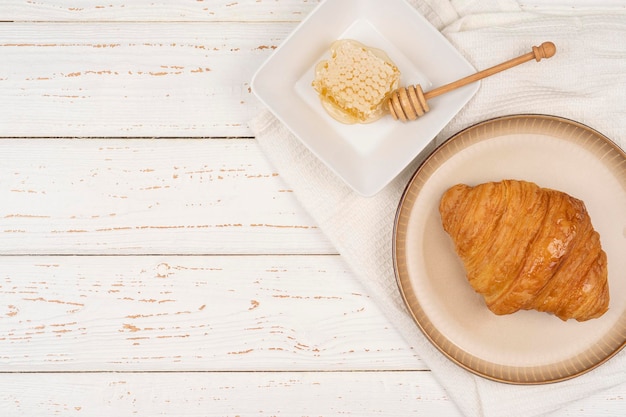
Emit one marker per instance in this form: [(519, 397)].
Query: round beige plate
[(526, 347)]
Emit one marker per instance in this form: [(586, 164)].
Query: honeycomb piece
[(355, 83)]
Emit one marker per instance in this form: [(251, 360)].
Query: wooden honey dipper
[(408, 103)]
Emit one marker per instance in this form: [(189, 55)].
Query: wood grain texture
[(403, 393), (132, 79), (225, 394), (145, 196), (184, 313), (154, 11)]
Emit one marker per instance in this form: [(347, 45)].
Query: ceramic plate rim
[(555, 372)]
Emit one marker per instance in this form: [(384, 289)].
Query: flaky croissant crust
[(525, 247)]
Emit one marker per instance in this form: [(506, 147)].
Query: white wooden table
[(152, 261)]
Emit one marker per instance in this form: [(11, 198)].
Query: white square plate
[(366, 156)]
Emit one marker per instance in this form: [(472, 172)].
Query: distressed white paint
[(387, 394), (159, 10), (146, 196), (225, 394), (191, 313), (141, 276), (132, 79)]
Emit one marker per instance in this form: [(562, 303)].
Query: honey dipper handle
[(545, 50)]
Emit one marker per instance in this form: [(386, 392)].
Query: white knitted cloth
[(588, 84)]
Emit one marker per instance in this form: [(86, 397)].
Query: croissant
[(528, 248)]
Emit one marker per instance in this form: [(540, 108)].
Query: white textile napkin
[(585, 81)]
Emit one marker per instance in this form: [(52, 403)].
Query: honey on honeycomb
[(355, 83)]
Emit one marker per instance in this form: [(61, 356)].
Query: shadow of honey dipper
[(408, 103)]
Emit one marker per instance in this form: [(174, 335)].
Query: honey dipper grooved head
[(407, 103)]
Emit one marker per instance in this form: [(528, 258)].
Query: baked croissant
[(526, 247)]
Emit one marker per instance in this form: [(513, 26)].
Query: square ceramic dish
[(366, 156)]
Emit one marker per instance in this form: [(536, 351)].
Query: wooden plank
[(132, 79), (144, 196), (412, 393), (150, 10), (225, 394), (190, 313)]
